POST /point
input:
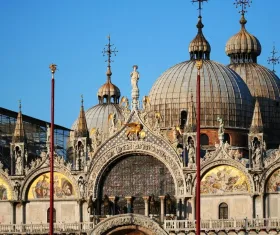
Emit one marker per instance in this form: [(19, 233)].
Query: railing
[(44, 228), (236, 224)]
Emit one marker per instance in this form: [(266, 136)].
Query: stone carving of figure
[(256, 181), (48, 133), (189, 182), (96, 139), (168, 203), (153, 206), (157, 122), (191, 152), (124, 103), (257, 156), (17, 190), (221, 126), (145, 102), (134, 78), (18, 162), (107, 205), (81, 184), (112, 118)]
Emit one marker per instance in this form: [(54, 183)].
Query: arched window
[(48, 215), (204, 140), (223, 211), (227, 138), (183, 118)]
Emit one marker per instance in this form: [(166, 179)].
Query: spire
[(19, 135), (243, 4), (199, 47), (273, 59), (191, 119), (257, 124), (81, 130)]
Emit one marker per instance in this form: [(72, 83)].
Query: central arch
[(136, 175), (131, 223)]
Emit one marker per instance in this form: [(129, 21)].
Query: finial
[(19, 105), (109, 51), (53, 68), (199, 5), (82, 100), (273, 59), (243, 4)]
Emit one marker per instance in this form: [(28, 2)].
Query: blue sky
[(150, 33)]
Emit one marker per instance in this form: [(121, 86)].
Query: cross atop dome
[(273, 59), (109, 51), (199, 5), (243, 4)]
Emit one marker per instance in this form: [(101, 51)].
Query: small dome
[(199, 47), (243, 46), (223, 94), (108, 92), (97, 117)]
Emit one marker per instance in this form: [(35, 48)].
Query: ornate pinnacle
[(273, 59), (199, 4), (243, 4), (53, 68), (109, 51)]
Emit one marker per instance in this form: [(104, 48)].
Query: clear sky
[(153, 34)]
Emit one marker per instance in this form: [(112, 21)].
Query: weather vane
[(109, 51), (199, 4), (243, 4), (273, 59)]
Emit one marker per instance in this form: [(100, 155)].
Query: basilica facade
[(131, 166)]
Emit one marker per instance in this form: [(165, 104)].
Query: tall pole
[(197, 204), (53, 69)]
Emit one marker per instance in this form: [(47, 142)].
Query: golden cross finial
[(109, 51), (243, 4), (53, 68), (273, 59), (199, 5)]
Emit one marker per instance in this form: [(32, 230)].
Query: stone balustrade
[(223, 225)]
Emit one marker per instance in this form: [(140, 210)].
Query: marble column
[(162, 212), (129, 204), (113, 203), (146, 201)]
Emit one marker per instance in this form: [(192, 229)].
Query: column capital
[(112, 198), (146, 198), (162, 197), (128, 198)]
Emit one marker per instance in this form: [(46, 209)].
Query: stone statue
[(112, 119), (256, 181), (96, 138), (81, 184), (17, 190), (257, 156), (92, 206), (48, 133), (124, 103), (134, 78), (145, 102), (191, 152), (221, 126), (18, 162), (189, 182)]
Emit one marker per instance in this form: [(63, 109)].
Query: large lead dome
[(223, 93)]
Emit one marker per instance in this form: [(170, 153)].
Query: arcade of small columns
[(182, 205)]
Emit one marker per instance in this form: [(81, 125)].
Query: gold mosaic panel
[(224, 179), (273, 184), (40, 188), (5, 190)]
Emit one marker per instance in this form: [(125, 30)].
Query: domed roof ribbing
[(243, 46), (223, 93)]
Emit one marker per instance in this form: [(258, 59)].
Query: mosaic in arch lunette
[(273, 184), (40, 187), (224, 179), (5, 190)]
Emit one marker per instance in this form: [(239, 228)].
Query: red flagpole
[(198, 65), (53, 68)]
